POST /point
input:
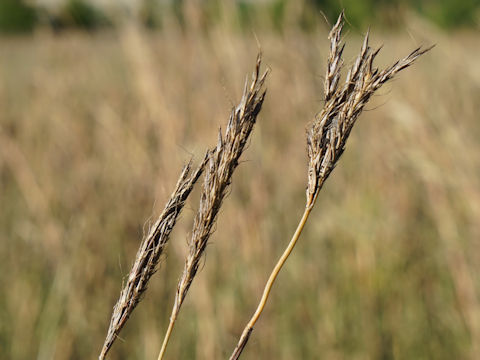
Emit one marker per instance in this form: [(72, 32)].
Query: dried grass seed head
[(328, 133)]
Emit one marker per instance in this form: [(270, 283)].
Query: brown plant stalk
[(148, 255), (221, 164), (329, 131)]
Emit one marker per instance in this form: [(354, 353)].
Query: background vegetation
[(95, 127), (24, 15)]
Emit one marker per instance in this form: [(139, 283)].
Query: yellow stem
[(167, 335), (268, 287), (278, 267)]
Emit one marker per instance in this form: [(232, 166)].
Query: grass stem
[(268, 287), (173, 318)]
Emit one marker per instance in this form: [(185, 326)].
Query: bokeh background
[(102, 102)]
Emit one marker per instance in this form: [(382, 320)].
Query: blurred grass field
[(94, 130)]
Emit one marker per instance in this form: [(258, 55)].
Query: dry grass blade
[(222, 161), (148, 255), (328, 134)]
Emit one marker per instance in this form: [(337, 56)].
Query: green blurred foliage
[(362, 13), (275, 13), (150, 14), (278, 13), (82, 14), (450, 13), (16, 16)]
